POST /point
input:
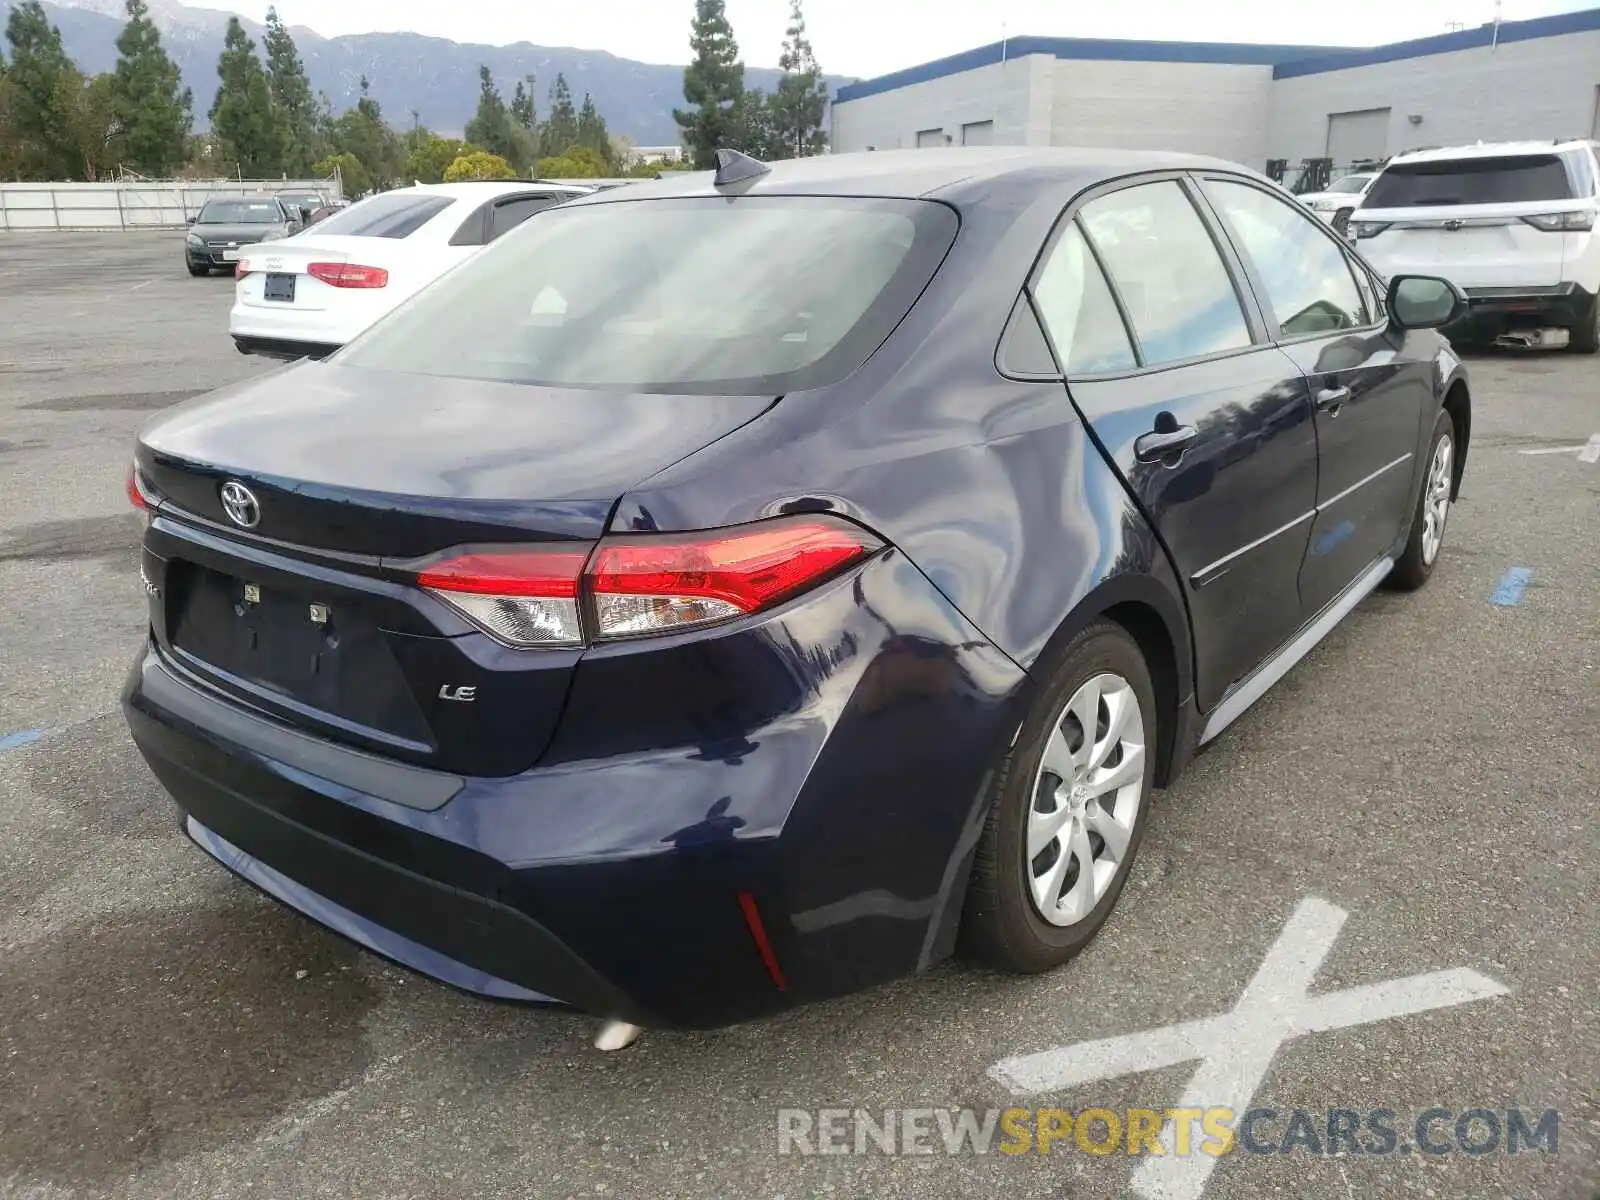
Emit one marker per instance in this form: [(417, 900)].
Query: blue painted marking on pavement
[(1512, 585), (23, 737)]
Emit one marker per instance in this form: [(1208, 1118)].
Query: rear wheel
[(1585, 336), (1068, 809), (1432, 511)]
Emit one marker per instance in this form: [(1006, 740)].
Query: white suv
[(1512, 225)]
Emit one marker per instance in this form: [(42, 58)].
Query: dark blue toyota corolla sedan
[(728, 592)]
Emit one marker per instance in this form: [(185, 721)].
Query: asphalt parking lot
[(1430, 770)]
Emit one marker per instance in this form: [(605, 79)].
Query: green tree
[(155, 109), (755, 127), (246, 122), (522, 103), (10, 164), (363, 133), (89, 126), (355, 177), (592, 131), (559, 133), (490, 126), (800, 104), (291, 96), (40, 145), (579, 162), (712, 84), (431, 155), (478, 164)]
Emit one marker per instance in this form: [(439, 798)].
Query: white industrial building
[(1248, 103)]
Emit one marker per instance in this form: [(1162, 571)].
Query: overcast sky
[(872, 37)]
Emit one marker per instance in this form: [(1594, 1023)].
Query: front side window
[(1171, 278), (1305, 272), (761, 294), (1078, 311)]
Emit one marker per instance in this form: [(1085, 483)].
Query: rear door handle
[(1164, 443), (1331, 400)]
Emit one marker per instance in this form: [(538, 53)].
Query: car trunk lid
[(1482, 246), (355, 478)]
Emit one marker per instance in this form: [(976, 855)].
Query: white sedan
[(1341, 199), (308, 295)]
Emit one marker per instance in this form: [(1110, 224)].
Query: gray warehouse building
[(1249, 103)]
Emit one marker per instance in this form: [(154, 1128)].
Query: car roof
[(484, 189), (1488, 150), (955, 173)]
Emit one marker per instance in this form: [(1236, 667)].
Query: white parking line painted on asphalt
[(1236, 1048), (1573, 449), (139, 287), (1591, 450)]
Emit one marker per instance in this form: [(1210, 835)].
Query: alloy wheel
[(1436, 499), (1087, 796)]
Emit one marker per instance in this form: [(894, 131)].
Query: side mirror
[(1425, 302), (190, 220)]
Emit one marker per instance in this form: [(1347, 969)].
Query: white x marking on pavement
[(1236, 1048)]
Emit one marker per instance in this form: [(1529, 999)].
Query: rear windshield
[(387, 215), (762, 294), (241, 212), (1472, 181)]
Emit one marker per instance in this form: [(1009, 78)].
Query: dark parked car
[(228, 223), (722, 594), (304, 203)]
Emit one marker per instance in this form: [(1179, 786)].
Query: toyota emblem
[(241, 505)]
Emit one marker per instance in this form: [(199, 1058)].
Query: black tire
[(1413, 570), (1584, 338), (1000, 925), (197, 271)]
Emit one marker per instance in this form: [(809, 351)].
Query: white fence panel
[(131, 205)]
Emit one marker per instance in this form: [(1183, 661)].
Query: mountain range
[(433, 78)]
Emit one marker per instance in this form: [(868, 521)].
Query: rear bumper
[(1563, 305), (282, 331), (845, 800), (287, 349)]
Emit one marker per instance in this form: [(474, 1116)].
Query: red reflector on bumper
[(758, 931)]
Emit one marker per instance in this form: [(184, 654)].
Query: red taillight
[(524, 598), (652, 584), (348, 275), (644, 584), (241, 269), (137, 495)]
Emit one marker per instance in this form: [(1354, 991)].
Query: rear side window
[(759, 294), (507, 215), (387, 215), (1306, 274), (1512, 180), (1171, 278), (1078, 311)]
